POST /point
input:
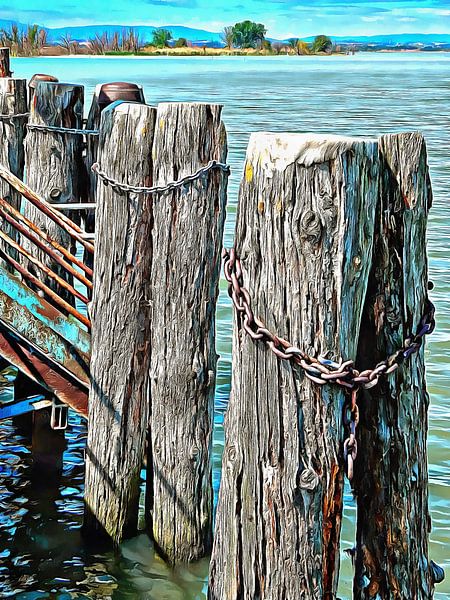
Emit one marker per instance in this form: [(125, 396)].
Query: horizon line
[(167, 26)]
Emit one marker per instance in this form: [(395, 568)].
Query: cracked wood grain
[(118, 400), (13, 100), (53, 167), (188, 231), (391, 476), (304, 234), (153, 360)]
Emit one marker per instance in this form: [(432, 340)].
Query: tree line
[(247, 35), (244, 35)]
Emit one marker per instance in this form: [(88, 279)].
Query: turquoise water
[(42, 554)]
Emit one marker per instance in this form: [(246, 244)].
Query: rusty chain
[(64, 130), (158, 189), (322, 370)]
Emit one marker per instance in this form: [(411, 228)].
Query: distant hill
[(83, 33), (395, 39), (145, 32)]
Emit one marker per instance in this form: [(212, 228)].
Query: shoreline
[(145, 56)]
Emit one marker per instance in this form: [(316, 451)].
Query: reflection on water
[(42, 552)]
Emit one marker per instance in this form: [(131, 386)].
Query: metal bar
[(31, 314), (50, 252), (26, 343), (21, 407), (50, 293), (59, 218), (71, 257), (75, 206), (59, 280), (41, 370)]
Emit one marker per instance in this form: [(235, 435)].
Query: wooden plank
[(19, 353), (23, 298), (391, 481), (304, 234), (118, 401)]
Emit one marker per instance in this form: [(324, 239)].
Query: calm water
[(42, 554)]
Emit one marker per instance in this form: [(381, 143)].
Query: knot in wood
[(194, 454), (311, 227), (55, 193), (326, 198), (231, 453), (309, 479)]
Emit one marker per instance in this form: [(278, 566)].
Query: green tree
[(181, 43), (227, 36), (322, 43), (161, 38), (248, 34)]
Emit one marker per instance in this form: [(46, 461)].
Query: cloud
[(438, 12), (386, 4), (407, 19), (337, 10), (173, 3), (372, 19), (29, 15)]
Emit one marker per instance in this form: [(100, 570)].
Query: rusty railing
[(68, 263)]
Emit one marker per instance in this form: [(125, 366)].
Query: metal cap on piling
[(119, 90), (38, 77)]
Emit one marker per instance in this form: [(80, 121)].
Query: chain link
[(11, 117), (65, 130), (158, 189), (322, 370)]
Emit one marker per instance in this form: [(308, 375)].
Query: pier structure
[(110, 252)]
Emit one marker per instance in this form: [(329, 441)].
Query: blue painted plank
[(50, 316)]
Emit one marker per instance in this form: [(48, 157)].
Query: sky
[(282, 18)]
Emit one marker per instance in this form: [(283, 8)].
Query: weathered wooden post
[(37, 77), (13, 119), (5, 69), (391, 469), (118, 402), (104, 95), (304, 235), (53, 159), (153, 356), (187, 240)]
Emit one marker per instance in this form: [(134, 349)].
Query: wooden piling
[(304, 234), (391, 469), (53, 162), (187, 240), (118, 401), (103, 96), (37, 77), (13, 101), (153, 360), (5, 69)]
